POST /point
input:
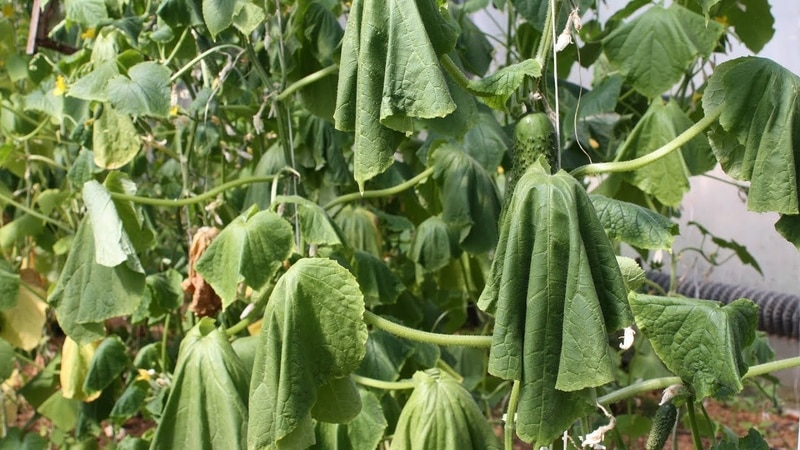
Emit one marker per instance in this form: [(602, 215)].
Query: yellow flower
[(8, 10), (61, 86), (89, 34), (173, 111)]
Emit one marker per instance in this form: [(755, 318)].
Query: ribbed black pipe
[(778, 312)]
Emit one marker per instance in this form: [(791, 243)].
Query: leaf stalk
[(192, 200), (381, 192), (424, 336)]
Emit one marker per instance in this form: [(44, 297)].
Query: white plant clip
[(565, 38), (595, 438), (627, 338)]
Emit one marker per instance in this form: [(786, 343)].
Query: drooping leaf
[(385, 356), (469, 198), (144, 91), (218, 15), (132, 219), (362, 433), (754, 138), (316, 226), (473, 47), (312, 332), (114, 139), (24, 225), (738, 249), (87, 293), (360, 229), (112, 246), (556, 291), (666, 178), (753, 22), (252, 247), (75, 361), (434, 245), (207, 404), (789, 228), (699, 340), (131, 400), (441, 414), (633, 224), (338, 401), (248, 16), (654, 49), (486, 142), (389, 76), (109, 361), (706, 5), (92, 86), (378, 283), (498, 87), (22, 324)]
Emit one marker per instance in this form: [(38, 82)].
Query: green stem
[(381, 192), (199, 58), (164, 338), (177, 47), (698, 444), (638, 163), (511, 420), (38, 215), (306, 80), (546, 41), (380, 384), (661, 383), (424, 336), (190, 201)]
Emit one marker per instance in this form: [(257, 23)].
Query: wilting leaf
[(75, 361), (114, 139), (633, 224)]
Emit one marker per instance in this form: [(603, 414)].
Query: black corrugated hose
[(778, 312)]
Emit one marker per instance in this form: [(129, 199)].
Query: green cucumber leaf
[(632, 273), (441, 414), (218, 15), (469, 198), (653, 50), (360, 229), (754, 138), (556, 292), (633, 224), (131, 215), (252, 247), (207, 403), (434, 245), (753, 22), (498, 87), (338, 401), (114, 139), (316, 226), (109, 361), (248, 16), (667, 179), (699, 340), (113, 246), (312, 332), (378, 283), (87, 293), (385, 356), (362, 433), (131, 399), (88, 13), (144, 91), (92, 86), (9, 286), (487, 142), (390, 77), (738, 249), (788, 226)]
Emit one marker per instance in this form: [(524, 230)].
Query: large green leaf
[(312, 332), (498, 87), (132, 219), (360, 229), (390, 77), (252, 247), (207, 404), (362, 433), (487, 142), (655, 49), (385, 356), (755, 138), (667, 178), (469, 197), (316, 226), (87, 293), (144, 91), (86, 12), (378, 283), (752, 21), (699, 340), (218, 15), (109, 361), (441, 414), (556, 291), (112, 246), (633, 224), (434, 245), (114, 139)]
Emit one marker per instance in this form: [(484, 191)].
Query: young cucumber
[(663, 422), (534, 136)]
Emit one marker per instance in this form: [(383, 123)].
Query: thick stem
[(511, 419), (424, 336), (546, 41), (190, 201), (666, 149), (306, 80), (380, 384), (698, 443), (381, 192), (38, 215)]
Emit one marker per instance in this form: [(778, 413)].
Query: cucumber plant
[(321, 224)]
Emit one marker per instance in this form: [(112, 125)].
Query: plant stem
[(511, 419), (661, 383), (381, 192), (306, 80), (380, 384), (425, 336), (38, 215), (546, 41), (199, 58), (698, 444), (190, 201), (666, 149)]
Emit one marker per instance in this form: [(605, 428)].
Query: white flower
[(627, 338)]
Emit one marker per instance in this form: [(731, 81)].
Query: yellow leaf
[(22, 325), (8, 10), (61, 86), (75, 363)]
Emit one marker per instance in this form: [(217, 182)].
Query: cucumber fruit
[(534, 136), (663, 422)]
